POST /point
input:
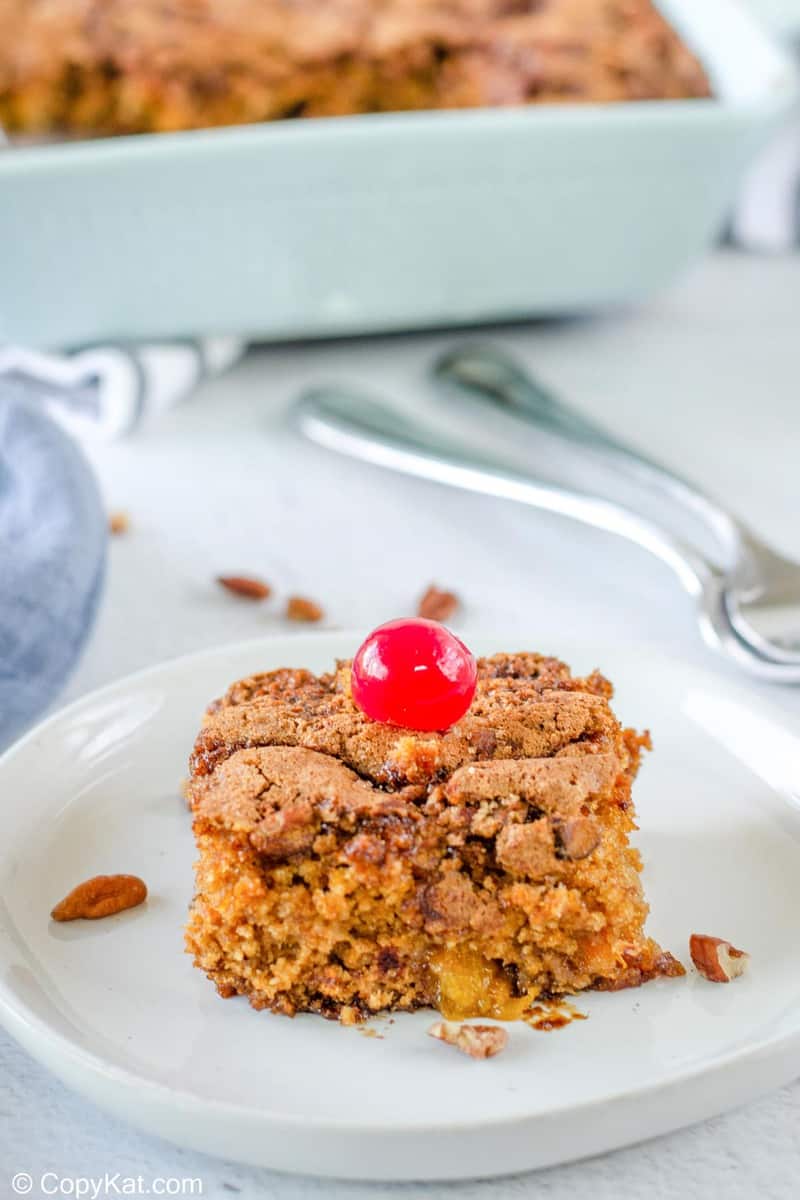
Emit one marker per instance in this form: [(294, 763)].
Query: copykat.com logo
[(96, 1187)]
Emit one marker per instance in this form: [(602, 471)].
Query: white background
[(707, 378)]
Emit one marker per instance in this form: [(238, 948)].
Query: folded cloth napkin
[(105, 392), (53, 527), (53, 532)]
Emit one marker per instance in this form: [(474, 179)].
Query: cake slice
[(348, 867)]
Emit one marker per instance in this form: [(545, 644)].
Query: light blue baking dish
[(355, 224)]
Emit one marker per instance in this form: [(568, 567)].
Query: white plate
[(117, 1011)]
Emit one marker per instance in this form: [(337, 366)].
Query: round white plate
[(116, 1009)]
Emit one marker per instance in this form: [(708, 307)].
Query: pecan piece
[(437, 605), (300, 608), (578, 837), (101, 896), (246, 586), (716, 959), (118, 523), (478, 1041)]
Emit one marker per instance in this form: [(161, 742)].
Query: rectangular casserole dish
[(348, 225)]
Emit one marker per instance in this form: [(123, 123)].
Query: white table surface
[(707, 377)]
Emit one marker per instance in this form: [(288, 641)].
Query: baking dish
[(348, 225)]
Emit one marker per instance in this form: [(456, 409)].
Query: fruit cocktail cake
[(348, 867)]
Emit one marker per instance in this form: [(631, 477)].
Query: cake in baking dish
[(348, 867), (119, 66)]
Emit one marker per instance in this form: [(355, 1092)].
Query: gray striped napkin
[(107, 391)]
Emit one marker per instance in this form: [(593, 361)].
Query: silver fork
[(762, 592), (356, 425)]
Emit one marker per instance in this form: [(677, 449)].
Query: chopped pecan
[(478, 1041), (246, 586), (578, 837), (300, 608), (437, 605), (716, 959), (101, 896), (118, 523)]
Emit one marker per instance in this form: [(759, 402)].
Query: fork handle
[(357, 426), (360, 427), (495, 376)]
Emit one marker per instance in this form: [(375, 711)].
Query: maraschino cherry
[(414, 673)]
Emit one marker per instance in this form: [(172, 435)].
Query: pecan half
[(300, 608), (244, 585), (478, 1041), (437, 605), (101, 896), (716, 959)]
